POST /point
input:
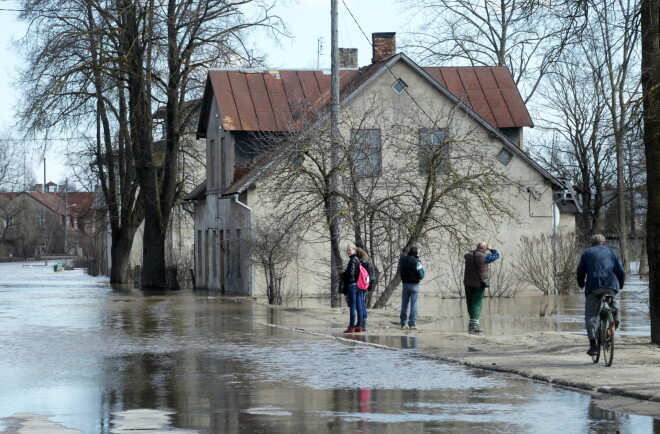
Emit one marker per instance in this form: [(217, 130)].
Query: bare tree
[(534, 254), (275, 246), (12, 171), (114, 63), (612, 48), (580, 149), (526, 36)]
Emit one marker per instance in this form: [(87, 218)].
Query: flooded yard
[(79, 356)]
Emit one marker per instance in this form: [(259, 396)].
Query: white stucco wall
[(528, 194)]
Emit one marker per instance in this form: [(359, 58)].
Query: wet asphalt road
[(78, 356)]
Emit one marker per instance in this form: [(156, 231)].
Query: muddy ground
[(631, 384)]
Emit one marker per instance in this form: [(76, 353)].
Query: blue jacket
[(600, 267)]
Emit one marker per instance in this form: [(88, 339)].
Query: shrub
[(536, 262)]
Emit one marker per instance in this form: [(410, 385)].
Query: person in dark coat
[(476, 270), (600, 273), (350, 280), (412, 272)]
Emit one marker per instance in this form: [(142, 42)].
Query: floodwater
[(78, 356), (530, 311)]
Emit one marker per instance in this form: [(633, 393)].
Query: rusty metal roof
[(275, 100), (488, 90)]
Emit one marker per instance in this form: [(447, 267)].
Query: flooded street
[(78, 356)]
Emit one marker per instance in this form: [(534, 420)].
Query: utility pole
[(335, 257)]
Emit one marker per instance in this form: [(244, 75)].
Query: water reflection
[(91, 359), (528, 312)]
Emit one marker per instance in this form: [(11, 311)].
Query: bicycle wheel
[(608, 345)]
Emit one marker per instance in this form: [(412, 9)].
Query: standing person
[(350, 280), (476, 270), (600, 273), (362, 294), (412, 272)]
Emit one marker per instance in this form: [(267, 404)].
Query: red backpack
[(363, 278)]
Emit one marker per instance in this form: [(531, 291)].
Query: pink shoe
[(358, 329), (349, 330)]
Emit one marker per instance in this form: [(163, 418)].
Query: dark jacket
[(352, 271), (600, 267), (411, 269), (477, 268)]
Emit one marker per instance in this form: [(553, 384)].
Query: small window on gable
[(504, 157), (433, 151), (399, 86)]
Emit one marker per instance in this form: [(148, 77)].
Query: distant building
[(35, 223)]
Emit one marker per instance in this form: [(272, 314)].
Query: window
[(215, 254), (399, 86), (504, 156), (366, 152), (198, 259), (41, 221), (75, 222), (214, 169), (433, 151), (207, 254), (9, 222), (229, 252), (220, 168), (238, 254)]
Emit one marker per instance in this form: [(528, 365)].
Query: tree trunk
[(621, 206), (154, 273), (650, 24), (385, 296), (120, 254), (643, 259)]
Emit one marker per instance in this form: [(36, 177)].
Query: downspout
[(235, 196), (250, 234)]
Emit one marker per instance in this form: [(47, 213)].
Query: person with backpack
[(351, 275), (373, 279), (412, 272)]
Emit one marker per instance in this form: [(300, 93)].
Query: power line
[(386, 65)]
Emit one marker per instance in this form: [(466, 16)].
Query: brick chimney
[(384, 45), (348, 58)]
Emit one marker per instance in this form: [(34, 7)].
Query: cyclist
[(599, 272)]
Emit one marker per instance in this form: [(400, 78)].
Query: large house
[(480, 104)]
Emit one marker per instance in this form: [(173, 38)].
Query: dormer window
[(399, 86)]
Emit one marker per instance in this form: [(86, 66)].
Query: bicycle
[(605, 329)]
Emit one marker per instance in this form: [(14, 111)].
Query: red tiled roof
[(78, 202), (270, 101)]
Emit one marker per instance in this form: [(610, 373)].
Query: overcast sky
[(308, 20)]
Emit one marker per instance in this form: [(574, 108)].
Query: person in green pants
[(476, 271)]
